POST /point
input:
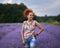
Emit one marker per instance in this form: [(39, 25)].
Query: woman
[(28, 26)]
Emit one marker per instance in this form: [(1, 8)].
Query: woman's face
[(30, 16)]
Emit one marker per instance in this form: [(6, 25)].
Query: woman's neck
[(29, 20)]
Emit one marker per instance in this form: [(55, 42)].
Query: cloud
[(50, 8), (7, 1), (37, 10), (40, 7), (54, 4)]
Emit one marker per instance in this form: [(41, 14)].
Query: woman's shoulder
[(24, 22), (35, 20)]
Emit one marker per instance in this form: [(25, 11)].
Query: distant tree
[(45, 15), (12, 12), (58, 18)]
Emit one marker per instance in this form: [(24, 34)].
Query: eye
[(31, 15)]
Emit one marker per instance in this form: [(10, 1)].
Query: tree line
[(13, 13)]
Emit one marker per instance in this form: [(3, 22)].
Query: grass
[(53, 22)]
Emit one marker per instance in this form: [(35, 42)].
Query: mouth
[(31, 17)]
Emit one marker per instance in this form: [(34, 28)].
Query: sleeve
[(24, 22)]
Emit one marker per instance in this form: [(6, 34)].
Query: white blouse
[(29, 29)]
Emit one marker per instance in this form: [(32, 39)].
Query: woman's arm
[(40, 27), (22, 32)]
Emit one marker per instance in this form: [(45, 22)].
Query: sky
[(40, 7)]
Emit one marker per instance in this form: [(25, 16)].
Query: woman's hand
[(24, 42), (37, 34)]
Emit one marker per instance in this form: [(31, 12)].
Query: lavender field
[(10, 36)]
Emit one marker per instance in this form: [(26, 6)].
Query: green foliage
[(50, 19), (12, 12)]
